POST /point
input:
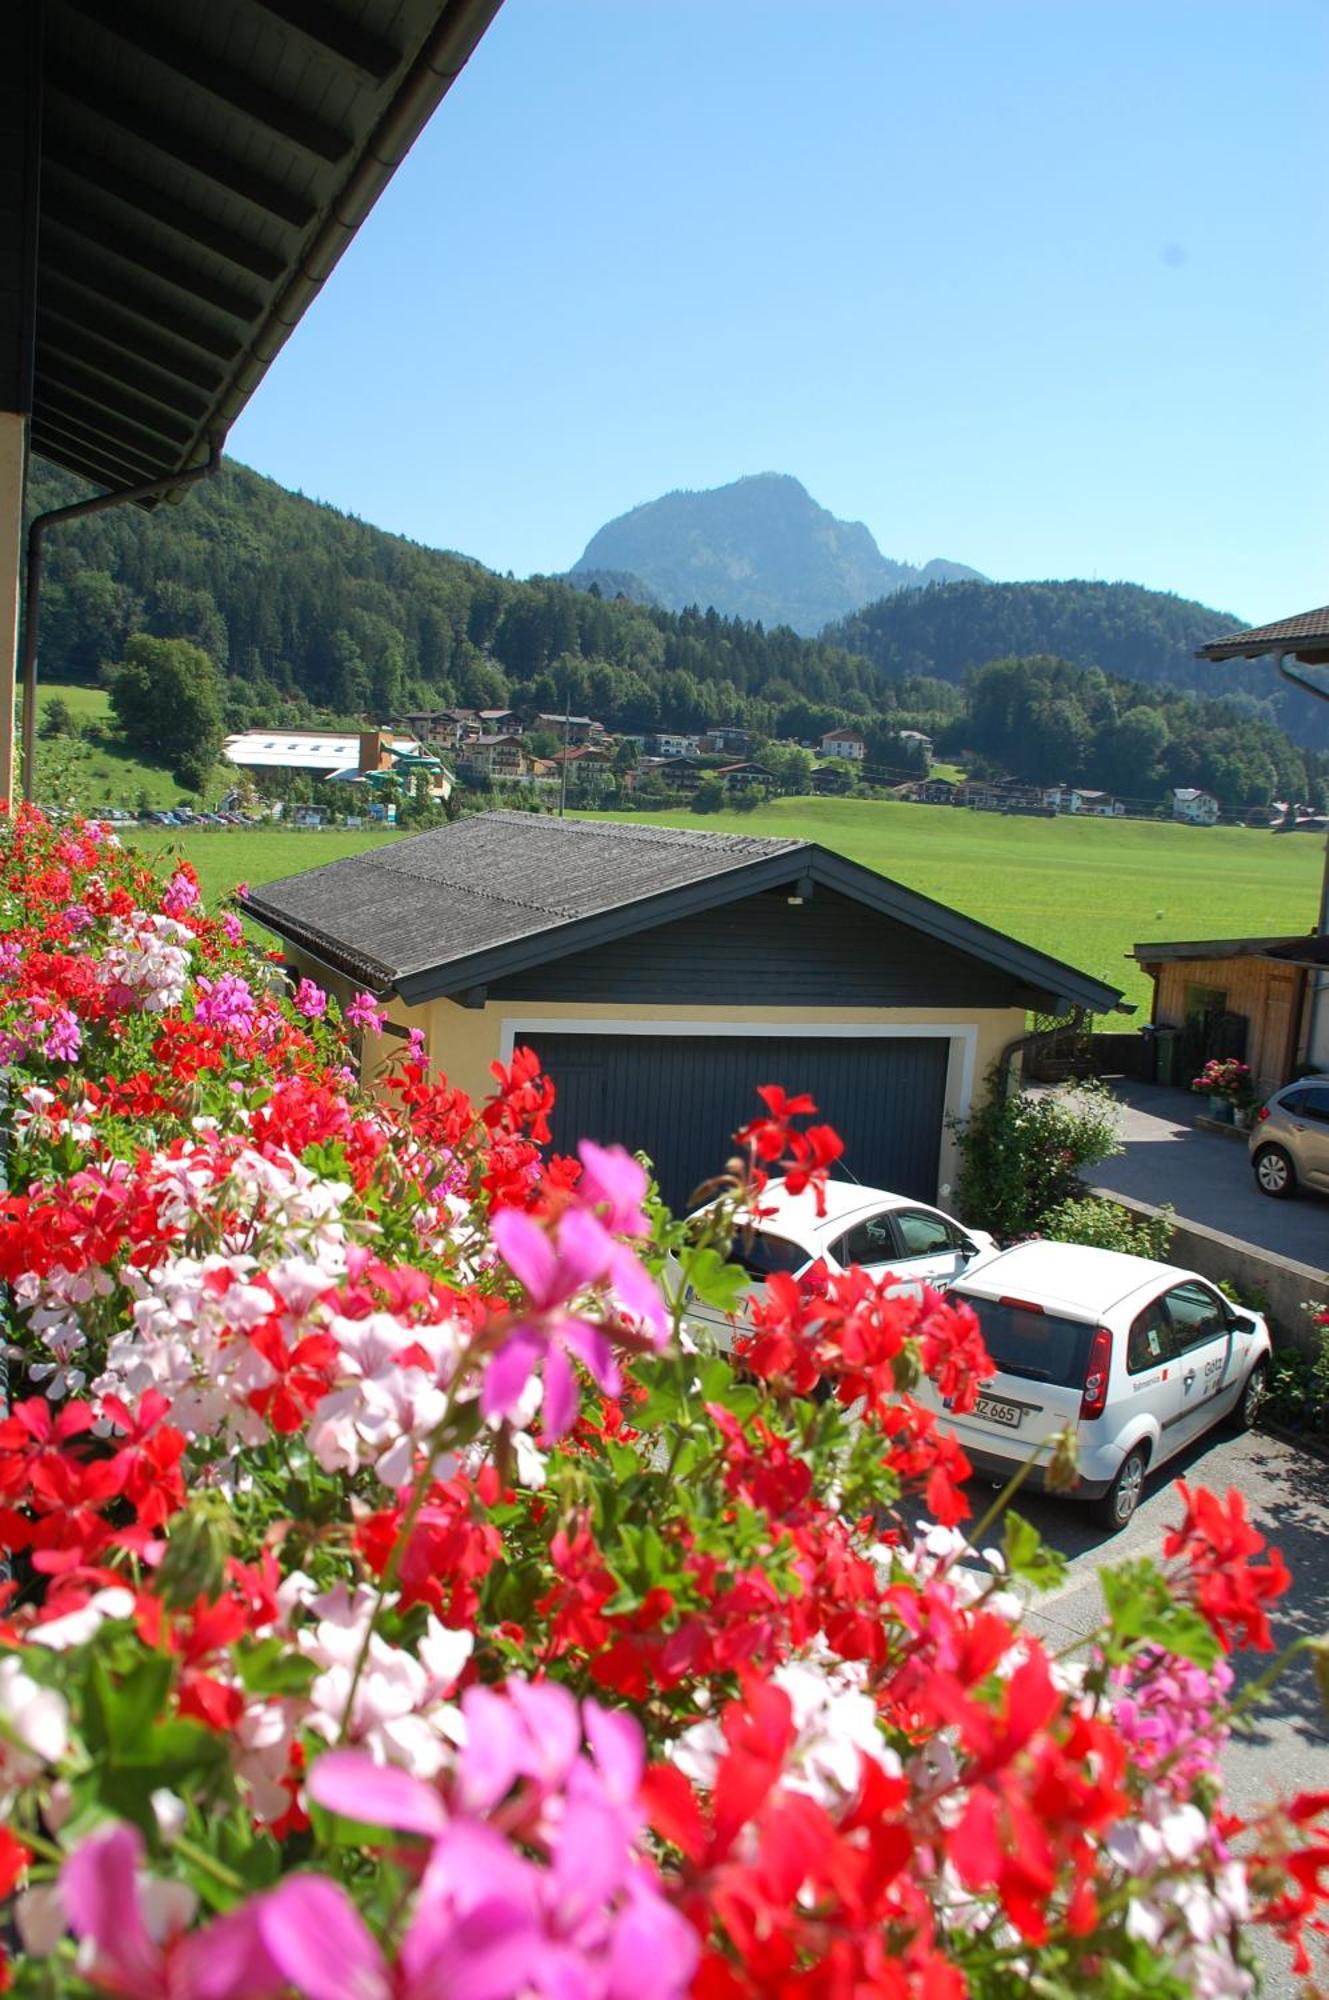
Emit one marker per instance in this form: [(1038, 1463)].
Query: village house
[(577, 731), (844, 743), (499, 758), (734, 775), (675, 743), (1194, 808)]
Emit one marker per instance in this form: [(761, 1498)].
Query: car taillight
[(1021, 1305), (1094, 1401), (1262, 1114)]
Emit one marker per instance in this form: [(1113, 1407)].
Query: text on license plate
[(998, 1412)]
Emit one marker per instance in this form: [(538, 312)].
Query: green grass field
[(1083, 890), (97, 769), (225, 857)]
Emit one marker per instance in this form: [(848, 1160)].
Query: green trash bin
[(1167, 1055)]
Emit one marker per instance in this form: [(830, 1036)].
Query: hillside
[(1146, 636), (313, 615), (307, 608), (760, 548)]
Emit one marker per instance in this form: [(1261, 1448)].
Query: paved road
[(1287, 1495), (1206, 1177)]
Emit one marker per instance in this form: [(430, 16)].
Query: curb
[(1206, 1124)]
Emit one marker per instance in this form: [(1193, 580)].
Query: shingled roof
[(1306, 636), (496, 893)]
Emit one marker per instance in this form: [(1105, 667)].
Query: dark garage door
[(680, 1097)]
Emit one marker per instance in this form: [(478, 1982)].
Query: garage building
[(662, 974)]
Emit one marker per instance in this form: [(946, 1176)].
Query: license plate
[(998, 1412)]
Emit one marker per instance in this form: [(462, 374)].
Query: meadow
[(1083, 890), (97, 768)]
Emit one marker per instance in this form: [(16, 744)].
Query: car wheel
[(1124, 1495), (1274, 1172), (1247, 1413)]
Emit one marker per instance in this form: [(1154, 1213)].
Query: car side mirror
[(966, 1248)]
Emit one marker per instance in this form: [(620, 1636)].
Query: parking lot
[(1206, 1176)]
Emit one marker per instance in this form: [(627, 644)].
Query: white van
[(1139, 1358)]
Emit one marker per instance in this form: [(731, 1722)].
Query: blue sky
[(1039, 287)]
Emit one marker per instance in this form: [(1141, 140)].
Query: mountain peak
[(760, 547)]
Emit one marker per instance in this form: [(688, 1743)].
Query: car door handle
[(1188, 1377)]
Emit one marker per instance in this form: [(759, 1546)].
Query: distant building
[(578, 730), (1196, 808), (844, 743), (1099, 805), (731, 775), (499, 758), (918, 740), (717, 741), (362, 756), (671, 743), (932, 792)]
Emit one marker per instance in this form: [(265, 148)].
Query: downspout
[(1317, 979), (148, 489)]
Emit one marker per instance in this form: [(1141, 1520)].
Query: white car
[(867, 1226), (1140, 1358)]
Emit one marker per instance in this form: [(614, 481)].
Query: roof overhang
[(1305, 949), (1042, 982), (200, 170)]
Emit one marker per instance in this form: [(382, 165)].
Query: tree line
[(291, 612)]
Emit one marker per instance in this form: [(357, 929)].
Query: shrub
[(1107, 1226), (1021, 1154)]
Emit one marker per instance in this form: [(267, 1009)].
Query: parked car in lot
[(1139, 1358), (1289, 1142), (862, 1225)]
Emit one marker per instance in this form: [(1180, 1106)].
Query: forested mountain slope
[(1147, 636)]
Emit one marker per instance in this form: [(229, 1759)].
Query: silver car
[(1289, 1144)]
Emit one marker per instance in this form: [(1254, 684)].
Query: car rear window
[(760, 1254), (1037, 1345)]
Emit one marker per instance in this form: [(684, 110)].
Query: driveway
[(1206, 1177), (1286, 1745)]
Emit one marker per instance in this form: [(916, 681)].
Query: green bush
[(1107, 1226), (1021, 1154), (1299, 1387)]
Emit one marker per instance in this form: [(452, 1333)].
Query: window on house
[(1202, 1000)]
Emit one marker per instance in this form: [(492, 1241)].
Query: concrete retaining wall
[(1276, 1284)]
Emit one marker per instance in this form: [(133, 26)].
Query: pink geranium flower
[(364, 1012), (135, 1935), (592, 1922), (311, 1000)]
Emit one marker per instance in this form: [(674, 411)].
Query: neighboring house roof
[(1188, 793), (843, 736), (1300, 950), (196, 173), (1306, 636), (450, 910)]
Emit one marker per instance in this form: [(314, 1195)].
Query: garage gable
[(820, 948)]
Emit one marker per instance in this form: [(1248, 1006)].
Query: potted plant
[(1226, 1082)]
